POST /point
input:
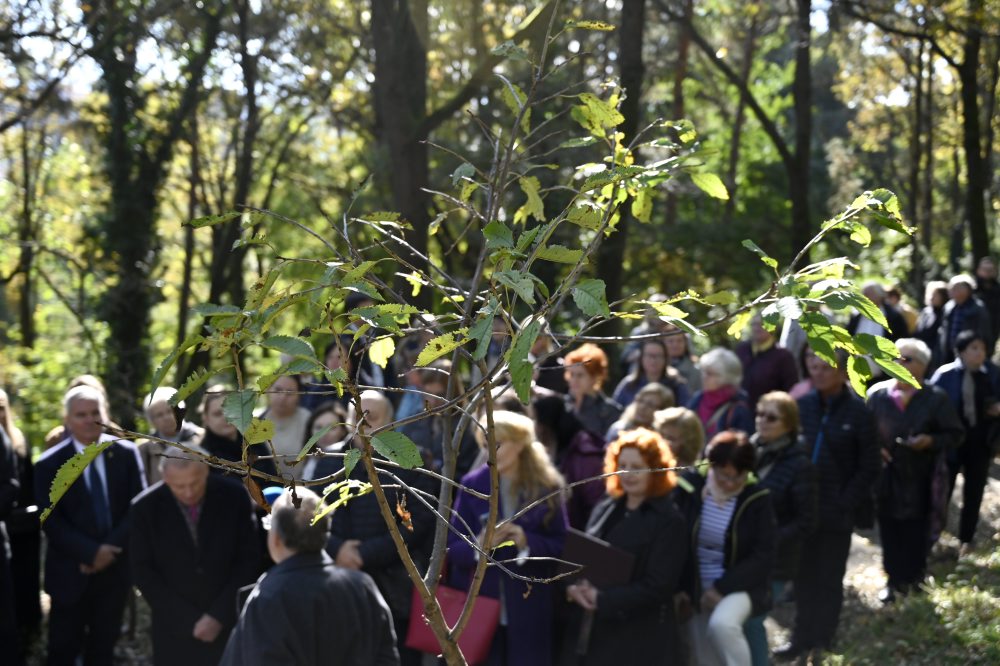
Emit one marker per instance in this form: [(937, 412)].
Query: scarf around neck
[(717, 494)]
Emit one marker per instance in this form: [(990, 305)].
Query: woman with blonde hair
[(639, 414), (684, 433), (526, 475)]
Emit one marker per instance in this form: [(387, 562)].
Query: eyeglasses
[(770, 417)]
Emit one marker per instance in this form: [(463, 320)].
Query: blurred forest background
[(122, 119)]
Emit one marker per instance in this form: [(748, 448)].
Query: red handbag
[(477, 638)]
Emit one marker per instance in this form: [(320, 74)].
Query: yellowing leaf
[(533, 207), (711, 185), (740, 322), (442, 345), (381, 350), (69, 472), (260, 430)]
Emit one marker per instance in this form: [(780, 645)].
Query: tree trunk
[(975, 174), (737, 133), (680, 73), (916, 151), (799, 176), (26, 235)]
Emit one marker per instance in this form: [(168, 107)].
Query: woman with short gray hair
[(722, 404)]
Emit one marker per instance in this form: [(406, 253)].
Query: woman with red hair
[(634, 623), (586, 372)]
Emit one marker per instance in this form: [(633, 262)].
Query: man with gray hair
[(964, 312), (87, 532), (306, 610), (193, 546)]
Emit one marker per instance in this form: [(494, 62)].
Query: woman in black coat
[(634, 623), (733, 539), (784, 469)]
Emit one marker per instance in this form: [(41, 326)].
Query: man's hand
[(105, 557), (710, 599), (584, 594), (349, 555), (207, 628)]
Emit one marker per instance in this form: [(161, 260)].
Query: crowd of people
[(766, 462)]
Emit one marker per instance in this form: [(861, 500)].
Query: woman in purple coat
[(526, 474)]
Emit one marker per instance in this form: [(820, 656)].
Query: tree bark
[(679, 110), (740, 118), (799, 176), (975, 174)]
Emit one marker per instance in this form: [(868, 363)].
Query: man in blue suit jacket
[(85, 572)]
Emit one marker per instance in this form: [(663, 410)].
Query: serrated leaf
[(515, 99), (522, 369), (468, 189), (498, 235), (841, 300), (876, 346), (590, 297), (527, 237), (753, 247), (533, 207), (740, 322), (665, 309), (351, 459), (398, 448), (898, 371), (344, 491), (859, 372), (519, 282), (171, 358), (789, 307), (587, 24), (238, 408), (860, 234), (260, 430), (711, 185), (69, 472), (482, 330), (311, 442), (290, 345), (381, 216), (720, 298), (606, 178), (415, 282), (337, 378), (212, 220), (355, 274), (560, 254), (381, 350), (595, 115), (194, 382), (465, 170), (585, 216), (642, 205), (441, 345)]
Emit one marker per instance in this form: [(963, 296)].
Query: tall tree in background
[(139, 139)]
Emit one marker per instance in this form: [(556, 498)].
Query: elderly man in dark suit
[(306, 609), (193, 545), (85, 572)]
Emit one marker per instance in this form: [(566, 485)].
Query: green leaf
[(238, 408), (721, 298), (510, 50), (398, 448), (586, 216), (750, 245), (212, 220), (519, 282), (600, 26), (171, 358), (351, 459), (533, 207), (595, 115), (464, 171), (515, 99), (210, 310), (841, 300), (522, 369), (498, 235), (290, 345), (859, 372), (441, 345), (898, 371), (740, 322), (859, 233), (345, 491), (69, 472), (665, 309), (642, 205), (789, 307), (356, 273), (560, 254), (260, 430), (194, 382), (611, 176), (482, 330), (527, 237), (590, 297), (311, 442), (381, 350), (876, 346), (580, 142), (711, 185)]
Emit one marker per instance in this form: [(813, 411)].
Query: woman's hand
[(583, 594), (507, 532), (710, 599)]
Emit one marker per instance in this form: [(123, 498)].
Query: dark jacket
[(904, 487), (773, 369), (988, 292), (529, 608), (307, 611), (232, 450), (597, 411), (361, 519), (634, 623), (848, 460), (970, 316), (749, 548), (791, 477), (929, 330), (429, 435), (582, 459), (986, 383), (183, 579), (71, 528)]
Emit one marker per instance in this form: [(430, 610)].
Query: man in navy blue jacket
[(85, 572)]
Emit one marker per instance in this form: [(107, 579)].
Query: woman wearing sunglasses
[(783, 468)]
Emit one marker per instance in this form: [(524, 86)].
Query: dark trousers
[(904, 550), (92, 624), (8, 619), (819, 588), (973, 460)]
